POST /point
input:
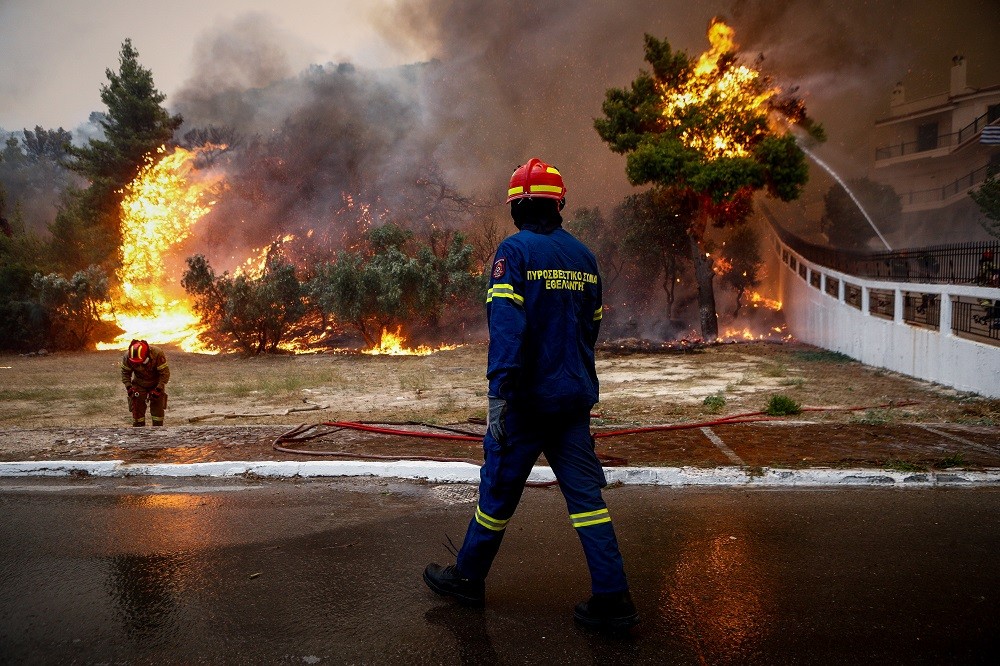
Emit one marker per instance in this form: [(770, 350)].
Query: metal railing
[(922, 309), (941, 141), (940, 264), (936, 194), (973, 128), (977, 319), (974, 318)]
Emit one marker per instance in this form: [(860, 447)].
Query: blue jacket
[(544, 313)]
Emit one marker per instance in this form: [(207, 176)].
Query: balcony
[(946, 143)]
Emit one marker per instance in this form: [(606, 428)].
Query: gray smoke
[(508, 81)]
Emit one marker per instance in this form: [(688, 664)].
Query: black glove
[(496, 417)]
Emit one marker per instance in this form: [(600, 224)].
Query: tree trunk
[(740, 291), (704, 275)]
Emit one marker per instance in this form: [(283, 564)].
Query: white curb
[(458, 472)]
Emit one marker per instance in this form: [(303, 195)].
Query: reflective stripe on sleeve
[(590, 518), (599, 313), (502, 290), (160, 367), (489, 522)]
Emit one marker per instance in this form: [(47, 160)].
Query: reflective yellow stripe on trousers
[(590, 518), (490, 522)]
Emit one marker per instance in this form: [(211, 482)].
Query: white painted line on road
[(719, 444), (453, 472)]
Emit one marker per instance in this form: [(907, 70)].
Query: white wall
[(815, 317)]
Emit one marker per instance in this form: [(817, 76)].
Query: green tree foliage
[(33, 175), (135, 125), (742, 253), (654, 231), (22, 318), (42, 144), (600, 235), (844, 223), (72, 306), (715, 146), (251, 315), (987, 196), (389, 283)]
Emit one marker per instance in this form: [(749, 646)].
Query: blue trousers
[(565, 440)]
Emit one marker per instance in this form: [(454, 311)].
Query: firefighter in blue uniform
[(544, 312)]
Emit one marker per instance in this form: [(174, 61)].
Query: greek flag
[(990, 135)]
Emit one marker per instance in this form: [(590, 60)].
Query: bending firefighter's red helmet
[(138, 352), (536, 179)]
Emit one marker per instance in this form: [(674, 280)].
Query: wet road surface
[(243, 571)]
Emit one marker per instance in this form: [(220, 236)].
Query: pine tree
[(87, 229), (691, 130)]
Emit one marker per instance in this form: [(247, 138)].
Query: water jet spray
[(857, 203)]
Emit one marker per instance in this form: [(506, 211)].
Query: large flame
[(160, 208), (738, 89), (394, 344)]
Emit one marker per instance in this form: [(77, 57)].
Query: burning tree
[(712, 129)]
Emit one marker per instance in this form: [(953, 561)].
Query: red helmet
[(138, 352), (536, 179)]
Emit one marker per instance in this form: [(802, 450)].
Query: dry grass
[(83, 389)]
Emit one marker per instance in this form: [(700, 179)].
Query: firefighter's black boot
[(614, 612), (448, 582)]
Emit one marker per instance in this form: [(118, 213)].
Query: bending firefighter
[(145, 374), (544, 313)]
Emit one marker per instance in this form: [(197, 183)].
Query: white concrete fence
[(839, 312)]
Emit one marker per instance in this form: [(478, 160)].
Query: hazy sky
[(54, 52), (519, 77)]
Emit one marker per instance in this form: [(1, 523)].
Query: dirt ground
[(72, 406)]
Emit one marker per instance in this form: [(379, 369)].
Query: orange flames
[(756, 300), (773, 333), (160, 208), (394, 344), (738, 91), (721, 265)]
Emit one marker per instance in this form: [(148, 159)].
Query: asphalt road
[(224, 571)]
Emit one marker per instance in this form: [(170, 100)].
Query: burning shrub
[(249, 314), (387, 283)]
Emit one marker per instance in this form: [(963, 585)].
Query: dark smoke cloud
[(508, 81)]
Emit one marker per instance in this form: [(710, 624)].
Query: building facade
[(931, 152)]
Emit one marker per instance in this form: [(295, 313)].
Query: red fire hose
[(298, 433)]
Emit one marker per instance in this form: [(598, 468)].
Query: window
[(927, 137), (992, 113)]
